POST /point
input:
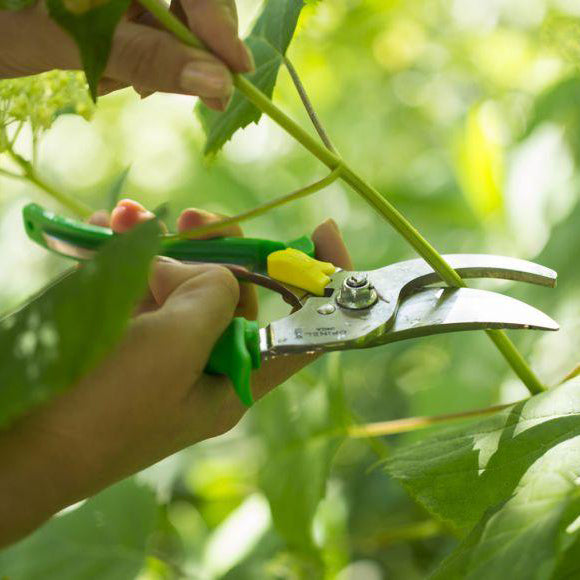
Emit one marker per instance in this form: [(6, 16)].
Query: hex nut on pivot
[(356, 292)]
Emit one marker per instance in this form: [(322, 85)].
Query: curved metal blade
[(439, 310), (428, 311)]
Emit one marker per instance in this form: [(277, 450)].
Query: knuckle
[(147, 61), (222, 279)]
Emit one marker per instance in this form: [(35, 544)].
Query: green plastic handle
[(235, 355), (251, 253)]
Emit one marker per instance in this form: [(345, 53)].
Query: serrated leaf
[(302, 430), (509, 482), (268, 42), (277, 23), (93, 32), (105, 538), (64, 332)]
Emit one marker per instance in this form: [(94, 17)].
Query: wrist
[(29, 487)]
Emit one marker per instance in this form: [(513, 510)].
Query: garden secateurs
[(333, 309)]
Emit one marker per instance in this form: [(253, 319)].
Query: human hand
[(143, 56), (150, 397)]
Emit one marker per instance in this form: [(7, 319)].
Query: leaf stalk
[(29, 174), (308, 105), (417, 423), (259, 210)]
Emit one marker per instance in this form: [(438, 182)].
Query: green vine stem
[(416, 423), (29, 174), (257, 211), (364, 189), (402, 533), (308, 105), (11, 175)]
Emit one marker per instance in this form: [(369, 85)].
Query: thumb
[(153, 60), (197, 302)]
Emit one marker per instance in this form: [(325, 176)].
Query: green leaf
[(509, 482), (93, 32), (480, 163), (302, 428), (65, 331), (105, 538), (268, 42), (15, 4), (116, 188)]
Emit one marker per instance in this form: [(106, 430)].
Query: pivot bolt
[(357, 280), (357, 292)]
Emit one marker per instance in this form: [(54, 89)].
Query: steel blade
[(439, 310)]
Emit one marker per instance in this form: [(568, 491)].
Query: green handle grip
[(235, 355), (251, 253)]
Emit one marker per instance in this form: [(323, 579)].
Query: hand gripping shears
[(333, 309)]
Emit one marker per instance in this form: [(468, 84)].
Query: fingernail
[(100, 218), (225, 102), (330, 222), (246, 58), (207, 79), (193, 218), (166, 260)]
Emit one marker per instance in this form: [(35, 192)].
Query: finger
[(196, 305), (143, 93), (127, 214), (193, 218), (107, 86), (100, 218), (153, 60), (330, 246), (217, 104), (215, 23)]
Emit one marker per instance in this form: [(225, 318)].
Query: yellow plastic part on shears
[(297, 269)]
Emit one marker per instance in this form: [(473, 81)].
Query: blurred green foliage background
[(466, 115)]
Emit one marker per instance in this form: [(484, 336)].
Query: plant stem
[(29, 174), (575, 372), (16, 134), (12, 175), (364, 189), (308, 105), (417, 423), (402, 533), (257, 211)]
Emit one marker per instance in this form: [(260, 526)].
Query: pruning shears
[(333, 309)]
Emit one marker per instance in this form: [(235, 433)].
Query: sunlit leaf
[(509, 482), (302, 432), (105, 538), (268, 42), (480, 163), (65, 331), (559, 104), (92, 30)]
